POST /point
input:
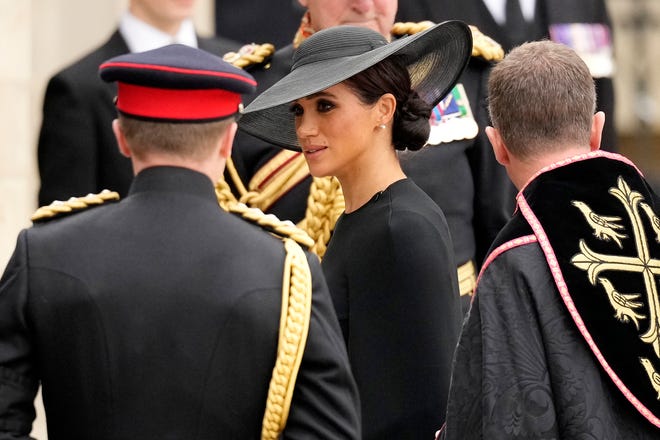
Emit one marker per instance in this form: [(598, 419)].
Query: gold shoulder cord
[(73, 204), (295, 313)]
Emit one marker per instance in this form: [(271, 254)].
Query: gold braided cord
[(482, 45), (270, 222), (279, 182), (73, 204), (295, 313), (294, 328), (223, 193), (249, 54), (324, 206), (235, 178)]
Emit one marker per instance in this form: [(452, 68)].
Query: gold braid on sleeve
[(295, 315)]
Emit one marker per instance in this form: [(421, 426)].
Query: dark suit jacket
[(476, 13), (258, 21), (77, 150), (157, 317)]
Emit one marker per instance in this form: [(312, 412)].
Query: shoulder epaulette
[(250, 55), (74, 204), (272, 224), (485, 47), (482, 45), (401, 28)]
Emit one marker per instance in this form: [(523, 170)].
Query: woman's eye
[(296, 109), (324, 106)]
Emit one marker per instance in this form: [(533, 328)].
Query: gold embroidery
[(654, 377), (595, 263)]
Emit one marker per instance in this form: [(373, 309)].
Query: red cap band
[(175, 104)]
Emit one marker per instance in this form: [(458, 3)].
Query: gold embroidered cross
[(625, 304)]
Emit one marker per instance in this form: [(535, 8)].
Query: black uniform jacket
[(77, 150), (157, 317), (549, 12)]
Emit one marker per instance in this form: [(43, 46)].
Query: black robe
[(545, 352)]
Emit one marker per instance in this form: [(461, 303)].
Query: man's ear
[(597, 124), (227, 140), (499, 148), (121, 139)]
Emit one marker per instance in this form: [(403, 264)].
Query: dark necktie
[(517, 27)]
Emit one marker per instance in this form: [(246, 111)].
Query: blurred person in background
[(583, 25), (254, 21), (77, 151)]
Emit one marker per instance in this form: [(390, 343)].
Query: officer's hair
[(185, 140), (541, 94), (410, 126)]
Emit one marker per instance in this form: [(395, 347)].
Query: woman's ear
[(385, 107)]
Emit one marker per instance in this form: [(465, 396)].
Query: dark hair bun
[(411, 123)]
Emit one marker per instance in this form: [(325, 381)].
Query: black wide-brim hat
[(435, 59)]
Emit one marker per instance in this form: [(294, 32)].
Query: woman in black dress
[(350, 102)]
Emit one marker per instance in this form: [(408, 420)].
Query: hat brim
[(435, 59)]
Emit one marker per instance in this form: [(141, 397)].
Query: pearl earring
[(382, 126)]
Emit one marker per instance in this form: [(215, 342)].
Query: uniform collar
[(173, 180)]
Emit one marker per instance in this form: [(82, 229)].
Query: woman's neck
[(363, 182)]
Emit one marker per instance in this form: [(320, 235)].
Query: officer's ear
[(499, 148), (597, 124), (227, 140), (121, 139)]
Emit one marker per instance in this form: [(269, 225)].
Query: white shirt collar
[(497, 9), (140, 36)]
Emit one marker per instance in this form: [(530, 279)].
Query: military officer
[(158, 316)]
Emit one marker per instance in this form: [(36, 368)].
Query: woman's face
[(335, 130), (373, 14)]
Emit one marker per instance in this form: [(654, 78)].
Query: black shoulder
[(73, 205)]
